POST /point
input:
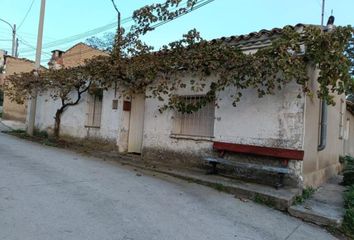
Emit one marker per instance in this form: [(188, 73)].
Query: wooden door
[(136, 127)]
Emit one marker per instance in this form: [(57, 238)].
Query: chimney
[(56, 62), (330, 23)]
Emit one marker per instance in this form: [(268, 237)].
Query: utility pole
[(14, 41), (118, 43), (323, 12), (16, 48), (13, 28), (119, 28), (33, 106)]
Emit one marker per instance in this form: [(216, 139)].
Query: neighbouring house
[(90, 118), (2, 77), (11, 109), (260, 130)]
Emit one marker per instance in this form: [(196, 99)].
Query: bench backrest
[(281, 153)]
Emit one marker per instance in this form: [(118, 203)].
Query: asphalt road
[(48, 193)]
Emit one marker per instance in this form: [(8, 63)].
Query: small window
[(94, 110), (347, 130), (115, 104), (199, 123), (342, 119)]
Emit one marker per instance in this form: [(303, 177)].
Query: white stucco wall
[(74, 118), (272, 121), (319, 166)]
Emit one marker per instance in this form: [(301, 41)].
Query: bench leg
[(280, 182), (213, 170)]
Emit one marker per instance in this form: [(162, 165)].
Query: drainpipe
[(323, 126), (324, 107)]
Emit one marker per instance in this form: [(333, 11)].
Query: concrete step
[(325, 207), (280, 199)]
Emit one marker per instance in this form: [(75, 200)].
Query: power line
[(196, 7), (34, 48), (24, 42), (26, 15), (83, 35), (105, 28)]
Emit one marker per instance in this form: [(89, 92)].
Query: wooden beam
[(261, 151)]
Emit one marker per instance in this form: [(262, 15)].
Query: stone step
[(325, 207), (318, 213)]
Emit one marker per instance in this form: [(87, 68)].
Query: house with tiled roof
[(12, 110), (2, 62), (279, 139), (92, 116), (280, 130)]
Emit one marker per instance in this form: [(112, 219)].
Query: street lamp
[(116, 54), (118, 12), (13, 36)]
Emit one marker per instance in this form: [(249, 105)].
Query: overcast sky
[(66, 18)]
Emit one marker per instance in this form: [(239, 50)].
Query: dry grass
[(92, 146)]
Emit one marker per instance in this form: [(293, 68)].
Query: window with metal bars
[(94, 111), (199, 123)]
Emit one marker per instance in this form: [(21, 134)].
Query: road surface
[(48, 193)]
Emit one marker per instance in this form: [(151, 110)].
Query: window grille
[(94, 111), (199, 123)]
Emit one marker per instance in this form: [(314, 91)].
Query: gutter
[(323, 126), (324, 107)]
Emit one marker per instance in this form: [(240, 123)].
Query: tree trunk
[(57, 123)]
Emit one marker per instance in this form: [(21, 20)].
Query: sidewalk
[(280, 199)]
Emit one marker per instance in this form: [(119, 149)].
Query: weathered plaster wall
[(74, 118), (318, 166), (272, 121), (158, 143)]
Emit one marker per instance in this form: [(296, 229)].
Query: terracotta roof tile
[(261, 37)]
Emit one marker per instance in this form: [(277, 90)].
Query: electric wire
[(108, 27), (26, 15), (126, 20)]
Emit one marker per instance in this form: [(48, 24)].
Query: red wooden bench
[(284, 155)]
